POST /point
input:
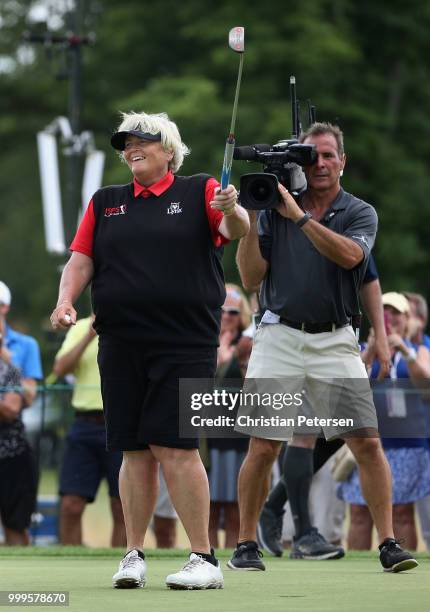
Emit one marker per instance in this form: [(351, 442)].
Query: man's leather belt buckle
[(312, 328)]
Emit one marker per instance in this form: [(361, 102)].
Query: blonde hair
[(245, 309), (420, 304), (154, 124)]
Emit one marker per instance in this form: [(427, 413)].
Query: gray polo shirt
[(303, 285)]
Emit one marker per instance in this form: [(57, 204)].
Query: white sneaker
[(197, 574), (131, 572)]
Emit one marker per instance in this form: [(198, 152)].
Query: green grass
[(353, 584)]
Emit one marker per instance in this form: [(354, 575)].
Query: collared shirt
[(83, 240), (303, 285), (156, 189), (25, 353)]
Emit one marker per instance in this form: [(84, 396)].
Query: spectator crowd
[(335, 484)]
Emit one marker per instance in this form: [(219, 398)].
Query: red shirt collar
[(156, 188)]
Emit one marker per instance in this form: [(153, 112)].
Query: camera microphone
[(250, 153)]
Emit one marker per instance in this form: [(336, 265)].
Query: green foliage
[(363, 65)]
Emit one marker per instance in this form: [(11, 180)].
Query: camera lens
[(260, 190)]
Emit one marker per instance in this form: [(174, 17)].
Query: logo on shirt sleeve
[(174, 208), (116, 210), (362, 239)]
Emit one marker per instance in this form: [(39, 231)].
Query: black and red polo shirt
[(157, 253)]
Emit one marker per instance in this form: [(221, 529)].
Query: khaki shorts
[(324, 372)]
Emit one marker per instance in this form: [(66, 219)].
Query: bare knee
[(264, 451), (366, 450), (176, 456), (138, 458), (139, 463), (72, 506)]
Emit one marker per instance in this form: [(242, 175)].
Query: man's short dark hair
[(319, 128)]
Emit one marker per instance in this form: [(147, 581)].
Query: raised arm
[(344, 250), (235, 222), (252, 265), (340, 249)]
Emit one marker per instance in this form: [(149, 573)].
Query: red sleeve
[(83, 240), (214, 216)]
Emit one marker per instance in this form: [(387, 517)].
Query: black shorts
[(18, 490), (86, 461), (140, 390)]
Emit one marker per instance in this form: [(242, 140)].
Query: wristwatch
[(304, 219)]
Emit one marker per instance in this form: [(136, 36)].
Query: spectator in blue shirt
[(24, 350)]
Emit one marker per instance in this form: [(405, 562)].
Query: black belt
[(93, 416), (313, 328)]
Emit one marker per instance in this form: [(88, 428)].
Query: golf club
[(236, 41)]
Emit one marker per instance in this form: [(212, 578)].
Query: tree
[(174, 57)]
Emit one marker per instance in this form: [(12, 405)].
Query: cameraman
[(311, 257)]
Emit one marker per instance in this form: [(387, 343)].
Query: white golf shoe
[(197, 574), (131, 572)]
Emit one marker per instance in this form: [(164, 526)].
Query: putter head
[(236, 39)]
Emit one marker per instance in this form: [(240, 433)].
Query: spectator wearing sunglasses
[(226, 454)]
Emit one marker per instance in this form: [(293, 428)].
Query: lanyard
[(396, 360)]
